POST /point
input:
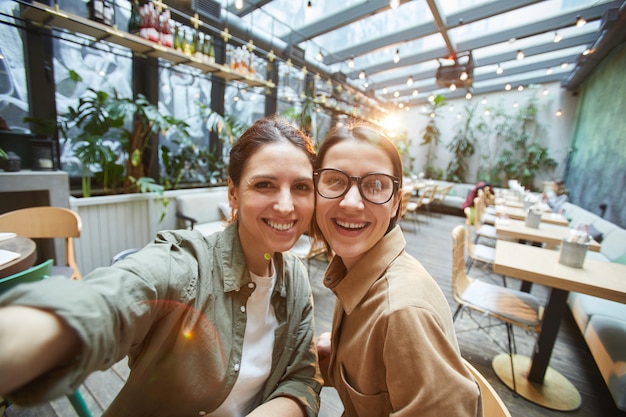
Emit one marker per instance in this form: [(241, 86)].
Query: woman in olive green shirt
[(219, 325)]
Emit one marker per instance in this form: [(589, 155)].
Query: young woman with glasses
[(392, 349)]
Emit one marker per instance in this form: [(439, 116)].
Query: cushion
[(605, 337), (595, 233)]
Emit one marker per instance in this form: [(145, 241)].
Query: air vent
[(340, 77), (207, 8), (296, 53)]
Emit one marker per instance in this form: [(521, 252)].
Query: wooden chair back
[(492, 404), (46, 222)]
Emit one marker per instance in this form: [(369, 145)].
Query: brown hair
[(264, 131), (358, 131)]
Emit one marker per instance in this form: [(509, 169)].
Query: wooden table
[(28, 255), (549, 234), (534, 379), (518, 213)]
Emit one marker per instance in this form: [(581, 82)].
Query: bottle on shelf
[(166, 37), (208, 51), (199, 48), (96, 10), (109, 12), (134, 23), (177, 42)]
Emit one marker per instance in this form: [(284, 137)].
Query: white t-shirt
[(258, 345)]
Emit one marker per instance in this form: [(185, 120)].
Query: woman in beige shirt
[(393, 349)]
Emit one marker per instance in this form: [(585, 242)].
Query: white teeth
[(280, 226), (351, 225)]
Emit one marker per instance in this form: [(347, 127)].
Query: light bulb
[(396, 57), (409, 81), (499, 69), (580, 21), (239, 4), (520, 55)]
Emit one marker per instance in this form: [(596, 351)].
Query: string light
[(394, 4), (499, 69), (351, 63), (415, 92), (507, 87), (559, 113), (409, 81), (239, 4), (520, 55), (580, 21), (468, 95), (319, 57), (362, 75), (396, 57), (452, 87), (557, 37)]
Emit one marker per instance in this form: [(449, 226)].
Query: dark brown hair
[(363, 132), (265, 131)]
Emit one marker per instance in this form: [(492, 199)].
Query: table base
[(556, 392)]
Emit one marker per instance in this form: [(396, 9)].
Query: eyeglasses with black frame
[(377, 188)]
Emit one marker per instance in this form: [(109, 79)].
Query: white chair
[(493, 302)]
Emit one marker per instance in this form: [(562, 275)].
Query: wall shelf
[(43, 15)]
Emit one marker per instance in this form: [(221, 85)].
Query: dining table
[(534, 379), (17, 253), (518, 213), (550, 234)]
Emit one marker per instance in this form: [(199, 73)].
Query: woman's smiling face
[(275, 198), (350, 224)]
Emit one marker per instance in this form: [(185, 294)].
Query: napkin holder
[(533, 218), (573, 253)]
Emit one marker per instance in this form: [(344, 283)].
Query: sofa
[(452, 202), (602, 322), (205, 210)]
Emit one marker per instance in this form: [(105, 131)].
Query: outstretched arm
[(32, 342)]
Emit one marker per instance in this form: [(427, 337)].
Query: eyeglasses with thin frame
[(377, 188)]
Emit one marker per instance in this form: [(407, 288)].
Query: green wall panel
[(597, 173)]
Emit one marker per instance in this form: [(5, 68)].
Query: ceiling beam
[(338, 20), (441, 27), (547, 25), (406, 90), (468, 15)]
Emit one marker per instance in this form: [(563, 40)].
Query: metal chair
[(504, 305), (47, 222), (33, 274)]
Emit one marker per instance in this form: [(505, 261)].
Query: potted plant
[(517, 151), (463, 146), (432, 135)]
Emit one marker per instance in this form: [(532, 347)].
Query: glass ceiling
[(400, 49)]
